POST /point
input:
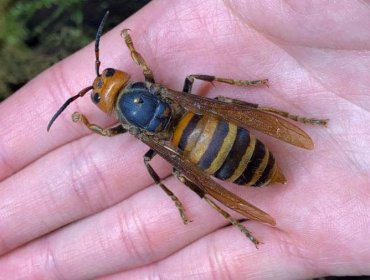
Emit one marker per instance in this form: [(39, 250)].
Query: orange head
[(106, 88)]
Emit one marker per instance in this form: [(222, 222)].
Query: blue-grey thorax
[(139, 106)]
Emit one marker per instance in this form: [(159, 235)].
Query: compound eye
[(109, 72), (95, 97)]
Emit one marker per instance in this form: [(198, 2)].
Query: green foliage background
[(36, 34)]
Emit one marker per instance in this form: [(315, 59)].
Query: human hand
[(79, 206)]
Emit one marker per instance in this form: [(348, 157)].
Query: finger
[(69, 183), (224, 255), (144, 228)]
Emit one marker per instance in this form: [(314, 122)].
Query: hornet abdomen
[(226, 151), (137, 105)]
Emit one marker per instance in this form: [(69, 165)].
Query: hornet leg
[(136, 56), (77, 117), (227, 216), (188, 84), (149, 155)]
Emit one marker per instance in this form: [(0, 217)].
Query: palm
[(316, 61)]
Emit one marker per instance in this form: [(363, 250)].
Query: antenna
[(65, 105), (97, 40), (97, 65)]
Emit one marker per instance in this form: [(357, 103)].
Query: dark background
[(36, 34)]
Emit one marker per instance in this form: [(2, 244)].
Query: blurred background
[(36, 34)]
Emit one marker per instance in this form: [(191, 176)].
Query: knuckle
[(135, 236), (85, 175), (51, 264), (218, 262)]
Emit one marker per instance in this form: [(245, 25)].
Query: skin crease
[(79, 206)]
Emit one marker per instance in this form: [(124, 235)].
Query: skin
[(78, 206)]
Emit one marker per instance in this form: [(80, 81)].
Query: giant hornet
[(200, 137)]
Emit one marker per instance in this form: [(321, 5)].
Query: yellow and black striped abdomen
[(226, 151)]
